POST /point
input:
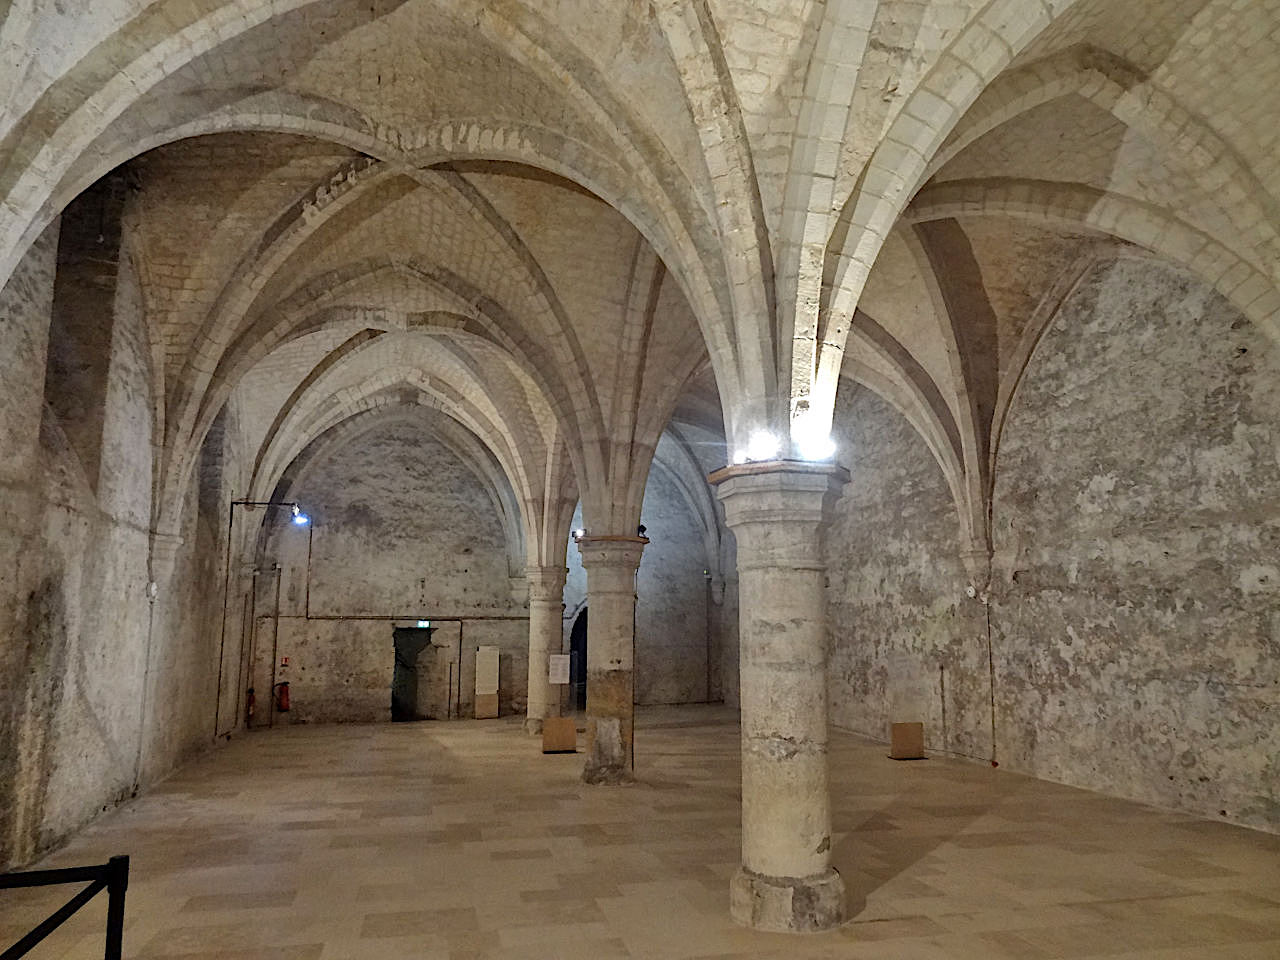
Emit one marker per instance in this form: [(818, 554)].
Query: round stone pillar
[(611, 564), (778, 512), (546, 634)]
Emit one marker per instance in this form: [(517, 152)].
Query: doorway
[(578, 661), (409, 643)]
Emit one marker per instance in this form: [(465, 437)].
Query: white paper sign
[(559, 669)]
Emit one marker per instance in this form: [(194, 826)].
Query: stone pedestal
[(778, 512), (546, 606), (611, 564)]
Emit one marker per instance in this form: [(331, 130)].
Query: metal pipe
[(117, 884), (460, 670), (240, 675), (226, 596), (306, 608), (707, 621), (247, 660), (146, 686), (275, 647)]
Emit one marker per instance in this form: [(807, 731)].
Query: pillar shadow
[(879, 845)]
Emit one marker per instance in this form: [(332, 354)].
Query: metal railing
[(112, 876)]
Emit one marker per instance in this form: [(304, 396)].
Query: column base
[(787, 904), (533, 726), (607, 776), (608, 760)]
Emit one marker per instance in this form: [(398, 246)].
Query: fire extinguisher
[(251, 704), (282, 696)]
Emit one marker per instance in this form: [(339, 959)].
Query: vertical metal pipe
[(117, 884), (240, 675), (248, 659), (146, 687), (275, 646), (306, 608), (222, 640), (706, 579), (459, 669)]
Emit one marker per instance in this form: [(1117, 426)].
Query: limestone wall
[(402, 530), (103, 692), (906, 643), (678, 633), (1135, 610)]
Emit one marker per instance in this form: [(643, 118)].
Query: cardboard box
[(559, 735), (906, 741), (486, 706)]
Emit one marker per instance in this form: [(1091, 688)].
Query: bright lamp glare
[(301, 519), (816, 448), (813, 441), (579, 534), (762, 446)]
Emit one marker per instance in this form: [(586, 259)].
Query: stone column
[(546, 630), (611, 564), (778, 512)]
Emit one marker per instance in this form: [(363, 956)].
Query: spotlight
[(579, 534), (762, 446), (300, 518), (812, 440)]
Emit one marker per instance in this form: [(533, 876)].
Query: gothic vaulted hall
[(784, 466)]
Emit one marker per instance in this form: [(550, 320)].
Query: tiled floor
[(461, 840)]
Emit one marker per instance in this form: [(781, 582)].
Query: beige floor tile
[(461, 841)]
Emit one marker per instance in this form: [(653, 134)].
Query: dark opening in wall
[(409, 642), (578, 660)]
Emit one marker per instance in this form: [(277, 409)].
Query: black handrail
[(112, 876)]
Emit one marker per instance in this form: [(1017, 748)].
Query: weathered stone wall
[(1134, 619), (401, 530), (906, 644), (92, 644), (1136, 608), (25, 595), (678, 645), (85, 654), (103, 693)]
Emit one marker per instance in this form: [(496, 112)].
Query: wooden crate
[(906, 741), (559, 735)]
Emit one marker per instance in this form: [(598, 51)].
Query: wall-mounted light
[(812, 439), (300, 518), (763, 445), (424, 624), (579, 534)]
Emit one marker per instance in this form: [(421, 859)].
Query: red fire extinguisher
[(282, 696)]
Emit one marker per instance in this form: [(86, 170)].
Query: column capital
[(546, 583), (976, 557), (780, 495), (618, 552), (163, 553)]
